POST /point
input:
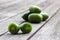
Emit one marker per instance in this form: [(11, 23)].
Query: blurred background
[(10, 8)]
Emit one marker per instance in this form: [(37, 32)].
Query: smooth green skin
[(34, 9), (45, 16), (25, 16), (26, 28), (35, 18), (13, 28)]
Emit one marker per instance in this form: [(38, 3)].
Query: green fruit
[(13, 28), (26, 28), (34, 9), (45, 16), (25, 16), (35, 18)]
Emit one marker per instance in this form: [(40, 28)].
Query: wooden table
[(12, 10)]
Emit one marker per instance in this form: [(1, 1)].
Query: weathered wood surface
[(10, 8), (7, 36), (51, 30), (14, 19), (48, 6)]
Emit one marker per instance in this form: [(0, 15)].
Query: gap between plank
[(16, 15), (7, 31), (43, 24)]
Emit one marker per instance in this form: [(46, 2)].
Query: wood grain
[(14, 19), (20, 36), (50, 31), (48, 6), (10, 8)]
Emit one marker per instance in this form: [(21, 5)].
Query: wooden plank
[(8, 36), (17, 6), (43, 5), (46, 21), (13, 7), (14, 19), (50, 31)]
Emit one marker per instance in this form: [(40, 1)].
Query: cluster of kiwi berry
[(14, 28), (34, 16)]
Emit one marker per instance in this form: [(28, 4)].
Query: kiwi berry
[(13, 28), (34, 9), (35, 18), (26, 27), (45, 15), (25, 16)]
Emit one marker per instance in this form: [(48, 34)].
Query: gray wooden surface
[(51, 30), (10, 8), (46, 30), (13, 19)]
